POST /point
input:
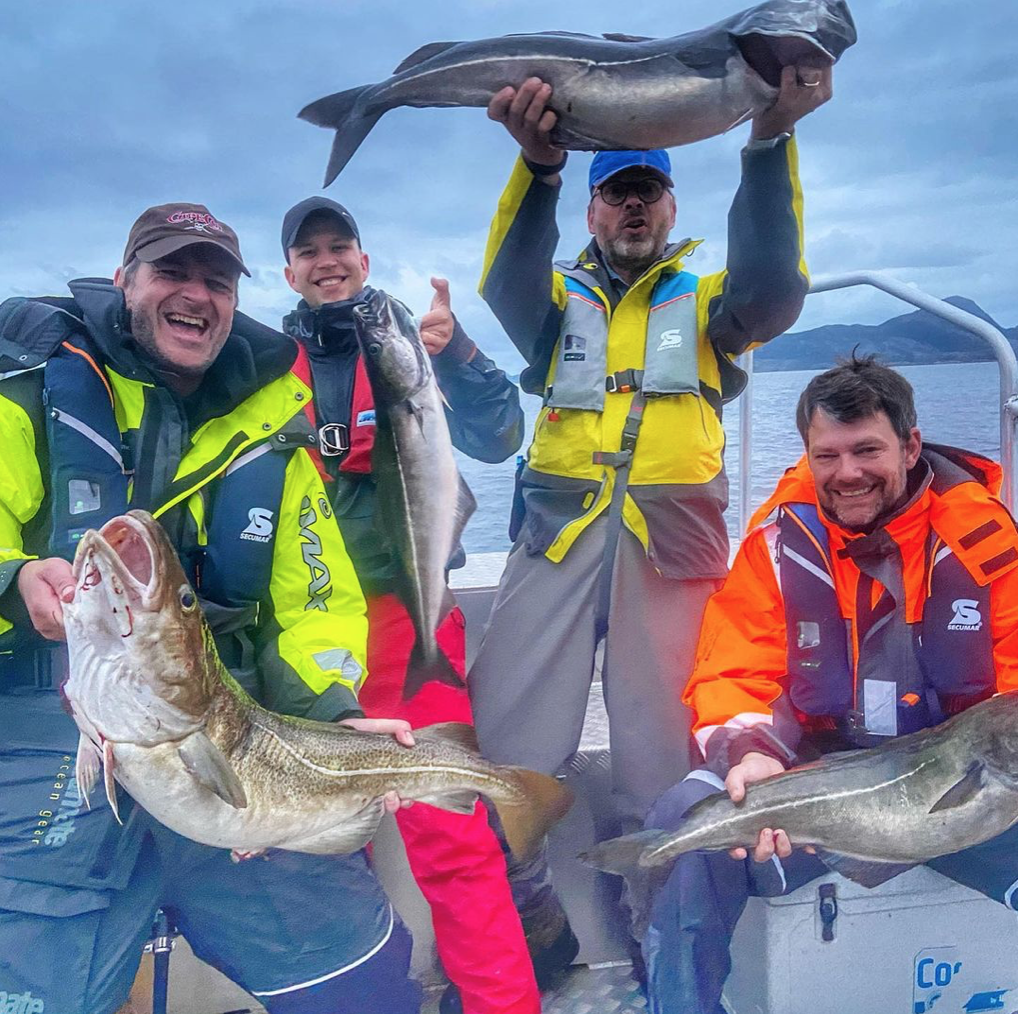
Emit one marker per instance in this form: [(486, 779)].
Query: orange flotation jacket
[(849, 638)]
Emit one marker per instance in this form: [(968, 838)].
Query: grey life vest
[(581, 358)]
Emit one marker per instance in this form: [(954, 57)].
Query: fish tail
[(526, 822), (426, 666), (622, 856), (341, 112)]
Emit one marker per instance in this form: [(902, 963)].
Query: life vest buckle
[(623, 381), (333, 439)]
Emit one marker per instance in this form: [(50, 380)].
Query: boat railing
[(1007, 364)]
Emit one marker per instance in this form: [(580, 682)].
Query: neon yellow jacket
[(309, 628), (677, 485)]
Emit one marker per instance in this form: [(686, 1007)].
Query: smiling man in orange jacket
[(875, 595)]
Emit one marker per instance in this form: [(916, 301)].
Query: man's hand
[(755, 767), (437, 324), (44, 586), (386, 726), (802, 90), (526, 116)]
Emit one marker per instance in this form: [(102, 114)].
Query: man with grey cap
[(619, 535), (151, 392)]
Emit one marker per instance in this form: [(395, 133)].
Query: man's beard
[(633, 256)]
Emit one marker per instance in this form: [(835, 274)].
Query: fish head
[(140, 650), (395, 358)]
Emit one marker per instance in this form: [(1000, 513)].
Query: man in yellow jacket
[(618, 530), (151, 392)]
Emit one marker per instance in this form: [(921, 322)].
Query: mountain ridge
[(909, 339)]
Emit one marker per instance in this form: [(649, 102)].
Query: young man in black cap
[(159, 396), (455, 859)]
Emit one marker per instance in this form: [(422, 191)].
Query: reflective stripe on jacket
[(241, 499), (677, 486), (784, 642)]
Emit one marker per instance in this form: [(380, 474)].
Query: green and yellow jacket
[(590, 342), (89, 430)]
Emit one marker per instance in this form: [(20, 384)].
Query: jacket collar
[(591, 264), (330, 326)]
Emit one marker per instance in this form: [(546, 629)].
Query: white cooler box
[(919, 943)]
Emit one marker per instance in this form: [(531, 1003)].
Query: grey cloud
[(108, 108)]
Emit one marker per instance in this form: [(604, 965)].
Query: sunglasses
[(647, 190)]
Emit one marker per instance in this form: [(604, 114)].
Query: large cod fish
[(155, 704), (424, 504), (616, 91), (870, 814)]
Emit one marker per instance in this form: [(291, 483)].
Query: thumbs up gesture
[(437, 324)]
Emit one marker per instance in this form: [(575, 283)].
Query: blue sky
[(107, 108)]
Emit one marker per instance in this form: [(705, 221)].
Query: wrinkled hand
[(755, 767), (403, 735), (436, 326), (525, 115), (802, 90), (44, 586)]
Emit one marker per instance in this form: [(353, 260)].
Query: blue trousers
[(693, 916), (305, 934)]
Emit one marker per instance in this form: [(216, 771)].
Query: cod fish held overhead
[(155, 704), (871, 814), (424, 504), (614, 91)]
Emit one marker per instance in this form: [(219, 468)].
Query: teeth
[(855, 492), (192, 321)]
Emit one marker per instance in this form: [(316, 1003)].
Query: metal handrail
[(1007, 363)]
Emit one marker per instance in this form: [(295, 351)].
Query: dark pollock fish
[(614, 91), (424, 503)]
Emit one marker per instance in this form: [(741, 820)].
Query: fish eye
[(374, 348), (188, 601)]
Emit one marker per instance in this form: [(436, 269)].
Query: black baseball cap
[(167, 228), (294, 219)]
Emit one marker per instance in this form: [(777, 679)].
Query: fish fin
[(86, 767), (862, 871), (426, 668), (563, 137), (964, 790), (339, 111), (108, 780), (465, 507), (526, 822), (622, 37), (206, 763), (461, 801), (426, 52), (460, 733), (622, 855)]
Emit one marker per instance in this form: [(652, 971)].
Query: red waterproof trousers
[(455, 859)]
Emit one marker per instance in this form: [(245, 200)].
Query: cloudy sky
[(107, 108)]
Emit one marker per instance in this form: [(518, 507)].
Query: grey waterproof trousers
[(531, 680)]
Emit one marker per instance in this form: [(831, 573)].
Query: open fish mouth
[(120, 559)]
